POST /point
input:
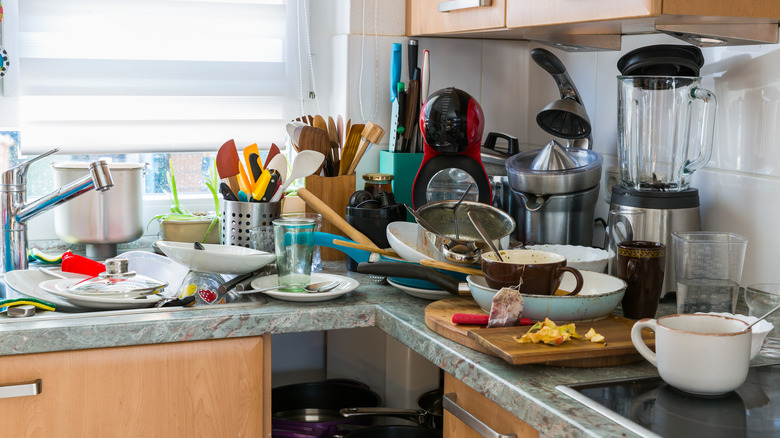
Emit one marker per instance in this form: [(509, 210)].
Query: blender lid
[(554, 157), (524, 178), (662, 60)]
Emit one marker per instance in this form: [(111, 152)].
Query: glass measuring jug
[(665, 130)]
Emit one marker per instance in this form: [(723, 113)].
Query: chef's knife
[(395, 78)]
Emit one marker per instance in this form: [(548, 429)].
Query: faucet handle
[(16, 174)]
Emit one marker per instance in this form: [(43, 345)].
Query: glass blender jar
[(665, 130)]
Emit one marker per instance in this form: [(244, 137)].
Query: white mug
[(697, 353)]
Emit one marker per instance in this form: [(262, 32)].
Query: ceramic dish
[(402, 237), (346, 284), (584, 258), (759, 330), (426, 294), (600, 295), (26, 281), (216, 259), (59, 287)]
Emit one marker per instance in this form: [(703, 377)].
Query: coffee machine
[(665, 130)]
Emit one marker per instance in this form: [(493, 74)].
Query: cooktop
[(651, 408)]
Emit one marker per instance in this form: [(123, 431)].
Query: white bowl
[(584, 258), (216, 259), (600, 295), (402, 237), (759, 330)]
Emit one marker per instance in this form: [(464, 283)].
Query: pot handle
[(408, 270), (416, 415), (577, 277), (450, 403)]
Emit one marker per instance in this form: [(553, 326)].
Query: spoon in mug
[(759, 319), (324, 286), (484, 234)]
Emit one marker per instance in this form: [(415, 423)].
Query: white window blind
[(116, 76)]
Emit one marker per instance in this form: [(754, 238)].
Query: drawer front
[(423, 18), (522, 13)]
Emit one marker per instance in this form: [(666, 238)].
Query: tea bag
[(506, 308)]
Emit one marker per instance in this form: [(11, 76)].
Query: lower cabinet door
[(488, 417), (215, 388)]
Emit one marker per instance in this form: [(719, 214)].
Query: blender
[(665, 131)]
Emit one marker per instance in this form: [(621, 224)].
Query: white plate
[(426, 294), (402, 237), (216, 259), (59, 287), (346, 284), (26, 282)]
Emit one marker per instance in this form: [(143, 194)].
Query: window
[(137, 80)]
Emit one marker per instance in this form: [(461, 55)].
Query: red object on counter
[(81, 265), (481, 319)]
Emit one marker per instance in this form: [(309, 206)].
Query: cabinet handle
[(455, 5), (20, 390), (450, 403)]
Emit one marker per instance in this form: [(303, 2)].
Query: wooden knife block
[(335, 192)]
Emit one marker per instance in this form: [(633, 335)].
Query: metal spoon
[(421, 221), (484, 234), (759, 319), (324, 286)]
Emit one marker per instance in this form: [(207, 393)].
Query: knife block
[(334, 192)]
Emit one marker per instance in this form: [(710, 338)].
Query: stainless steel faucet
[(16, 212)]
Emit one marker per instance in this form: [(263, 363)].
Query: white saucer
[(26, 281), (59, 286), (426, 294), (346, 284)]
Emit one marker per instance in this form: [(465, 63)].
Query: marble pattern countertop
[(526, 391)]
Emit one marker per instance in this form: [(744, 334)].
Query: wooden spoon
[(350, 148), (371, 133), (333, 136), (314, 139)]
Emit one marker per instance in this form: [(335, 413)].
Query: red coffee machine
[(451, 123)]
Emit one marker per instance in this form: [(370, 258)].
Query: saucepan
[(448, 235)]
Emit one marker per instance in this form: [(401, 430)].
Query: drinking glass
[(760, 299), (316, 258), (294, 245)]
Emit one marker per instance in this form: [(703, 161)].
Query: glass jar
[(378, 182)]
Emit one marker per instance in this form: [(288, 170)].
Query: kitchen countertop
[(527, 391)]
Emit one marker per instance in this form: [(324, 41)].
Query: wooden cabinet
[(218, 388), (423, 18), (492, 415)]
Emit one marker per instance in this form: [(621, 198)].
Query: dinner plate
[(216, 259), (346, 284), (59, 287), (426, 294), (26, 281)]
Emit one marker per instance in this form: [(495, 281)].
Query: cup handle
[(639, 343), (577, 276)]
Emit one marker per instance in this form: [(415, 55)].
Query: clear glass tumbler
[(294, 245), (316, 258), (708, 269), (760, 299)]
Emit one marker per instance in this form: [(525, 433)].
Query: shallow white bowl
[(600, 295), (402, 237), (216, 259), (584, 258), (759, 330)]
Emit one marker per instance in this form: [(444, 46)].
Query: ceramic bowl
[(760, 330), (541, 271), (584, 258), (216, 259), (600, 295), (402, 237)]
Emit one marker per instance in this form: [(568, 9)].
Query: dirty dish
[(600, 295), (402, 237), (425, 294), (216, 259), (59, 287), (26, 281), (346, 284), (584, 258)]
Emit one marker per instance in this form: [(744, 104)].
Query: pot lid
[(118, 281), (523, 177)]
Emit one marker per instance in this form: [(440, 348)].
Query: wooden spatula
[(372, 133), (314, 139), (228, 165), (350, 148)]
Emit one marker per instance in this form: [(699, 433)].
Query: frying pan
[(312, 409), (429, 414)]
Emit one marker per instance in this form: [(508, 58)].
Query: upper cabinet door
[(423, 17), (523, 13)]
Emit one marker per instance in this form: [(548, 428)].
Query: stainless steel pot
[(101, 220), (454, 238)]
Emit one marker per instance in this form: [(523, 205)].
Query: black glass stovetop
[(654, 408)]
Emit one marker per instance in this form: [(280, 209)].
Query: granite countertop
[(527, 391)]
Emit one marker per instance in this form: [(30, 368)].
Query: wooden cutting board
[(500, 341)]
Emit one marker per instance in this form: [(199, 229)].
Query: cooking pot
[(312, 409), (429, 414), (454, 238), (101, 220)]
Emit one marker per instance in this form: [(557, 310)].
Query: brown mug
[(641, 265), (541, 271)]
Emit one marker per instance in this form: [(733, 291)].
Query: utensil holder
[(335, 192), (239, 217)]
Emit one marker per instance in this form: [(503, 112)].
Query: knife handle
[(412, 54), (408, 270), (395, 70)]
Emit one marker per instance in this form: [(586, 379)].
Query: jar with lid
[(378, 182)]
